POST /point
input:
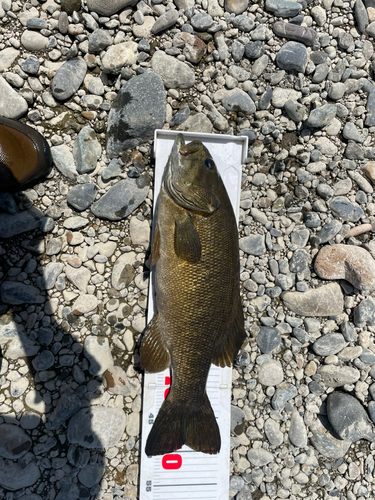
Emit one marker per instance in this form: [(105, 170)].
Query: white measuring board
[(187, 474)]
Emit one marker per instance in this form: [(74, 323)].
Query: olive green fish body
[(199, 319)]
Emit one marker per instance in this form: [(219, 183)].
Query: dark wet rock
[(364, 313), (268, 339), (328, 344), (301, 34), (282, 395), (68, 78), (348, 417), (348, 211), (122, 198), (138, 110), (81, 196), (292, 56)]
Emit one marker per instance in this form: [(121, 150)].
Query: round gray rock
[(14, 442), (292, 56)]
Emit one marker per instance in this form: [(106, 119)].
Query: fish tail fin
[(177, 424)]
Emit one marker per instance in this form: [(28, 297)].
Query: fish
[(25, 155), (199, 318)]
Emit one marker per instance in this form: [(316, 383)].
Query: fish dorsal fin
[(155, 251), (187, 244), (232, 337), (155, 355)]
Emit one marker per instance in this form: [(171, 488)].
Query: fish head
[(191, 177)]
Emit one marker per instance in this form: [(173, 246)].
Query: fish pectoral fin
[(155, 251), (232, 337), (187, 244), (154, 354)]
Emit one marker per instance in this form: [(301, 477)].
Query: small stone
[(68, 405), (68, 78), (268, 339), (43, 361), (15, 293), (329, 231), (348, 417), (99, 40), (64, 161), (33, 41), (319, 14), (354, 264), (175, 74), (122, 198), (301, 34), (254, 50), (14, 442), (273, 433), (325, 441), (337, 376), (236, 6), (348, 211), (283, 8), (361, 16), (81, 196), (271, 373), (299, 261), (117, 56), (139, 232), (84, 304), (97, 351), (86, 150), (321, 117), (326, 300), (329, 344), (12, 104), (292, 56), (238, 100), (283, 394), (117, 381), (139, 109), (237, 420), (259, 457), (297, 431), (364, 313), (97, 427), (253, 244), (201, 21)]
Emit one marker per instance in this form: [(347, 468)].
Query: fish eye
[(210, 164)]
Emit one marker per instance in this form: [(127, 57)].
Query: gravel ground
[(96, 78)]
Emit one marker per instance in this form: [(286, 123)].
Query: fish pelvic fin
[(232, 337), (155, 355), (177, 424), (187, 244)]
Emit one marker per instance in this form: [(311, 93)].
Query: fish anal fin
[(231, 338), (187, 244), (155, 355), (155, 252)]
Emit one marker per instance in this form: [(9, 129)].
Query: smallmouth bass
[(199, 317)]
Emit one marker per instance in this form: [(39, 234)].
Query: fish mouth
[(177, 189)]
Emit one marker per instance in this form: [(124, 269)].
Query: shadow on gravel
[(47, 443)]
